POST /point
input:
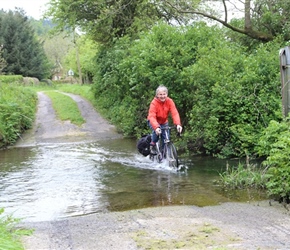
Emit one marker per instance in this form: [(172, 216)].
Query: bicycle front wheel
[(171, 155)]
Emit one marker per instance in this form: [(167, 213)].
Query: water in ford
[(53, 181)]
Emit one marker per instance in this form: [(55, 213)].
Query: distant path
[(48, 129), (240, 226)]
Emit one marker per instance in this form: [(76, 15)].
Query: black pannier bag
[(143, 145)]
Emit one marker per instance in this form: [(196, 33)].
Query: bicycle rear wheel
[(171, 155)]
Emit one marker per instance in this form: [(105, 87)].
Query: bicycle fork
[(159, 156)]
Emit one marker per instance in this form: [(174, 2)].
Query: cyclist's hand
[(158, 131), (179, 129)]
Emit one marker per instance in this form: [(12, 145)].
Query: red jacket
[(159, 111)]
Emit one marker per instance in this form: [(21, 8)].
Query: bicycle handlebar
[(166, 128), (169, 128)]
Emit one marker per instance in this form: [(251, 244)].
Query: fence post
[(285, 79)]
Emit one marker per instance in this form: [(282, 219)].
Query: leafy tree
[(263, 19), (87, 50), (56, 48), (106, 20), (41, 27), (22, 51)]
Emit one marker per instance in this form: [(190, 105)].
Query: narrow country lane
[(253, 225)]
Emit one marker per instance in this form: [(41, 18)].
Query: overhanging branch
[(248, 30)]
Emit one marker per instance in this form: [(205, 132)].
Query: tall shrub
[(237, 94), (226, 95), (130, 72), (274, 145)]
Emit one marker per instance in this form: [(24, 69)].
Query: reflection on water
[(58, 180)]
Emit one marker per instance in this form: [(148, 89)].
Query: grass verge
[(65, 107)]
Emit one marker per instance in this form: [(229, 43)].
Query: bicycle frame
[(165, 149)]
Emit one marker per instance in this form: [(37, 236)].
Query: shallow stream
[(52, 181)]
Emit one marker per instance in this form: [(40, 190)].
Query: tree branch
[(248, 30), (226, 11)]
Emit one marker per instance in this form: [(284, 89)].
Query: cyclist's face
[(161, 95)]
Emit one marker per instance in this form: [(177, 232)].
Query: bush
[(17, 112), (226, 96), (236, 96), (129, 73), (275, 145)]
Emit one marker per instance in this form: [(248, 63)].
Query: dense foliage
[(225, 95), (23, 53), (275, 145), (2, 60), (17, 111)]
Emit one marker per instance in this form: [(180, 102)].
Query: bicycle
[(165, 150)]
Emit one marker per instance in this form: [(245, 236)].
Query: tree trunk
[(248, 25), (79, 65), (78, 60)]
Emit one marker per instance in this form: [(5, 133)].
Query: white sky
[(33, 8)]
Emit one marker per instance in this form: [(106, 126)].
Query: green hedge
[(11, 79), (226, 95), (17, 112)]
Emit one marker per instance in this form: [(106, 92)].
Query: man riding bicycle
[(159, 109)]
